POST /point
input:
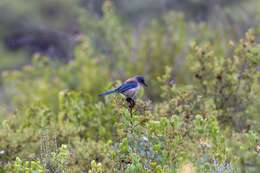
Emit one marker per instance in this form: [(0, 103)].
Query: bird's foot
[(131, 103)]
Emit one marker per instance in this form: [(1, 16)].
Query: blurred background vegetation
[(51, 27), (200, 57)]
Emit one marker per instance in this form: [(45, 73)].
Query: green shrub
[(51, 162), (231, 83), (209, 124)]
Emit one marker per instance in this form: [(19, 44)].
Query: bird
[(129, 89)]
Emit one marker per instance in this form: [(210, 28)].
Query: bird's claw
[(131, 103)]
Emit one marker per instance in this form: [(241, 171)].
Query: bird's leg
[(131, 104)]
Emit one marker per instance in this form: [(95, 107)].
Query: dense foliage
[(200, 112), (50, 27)]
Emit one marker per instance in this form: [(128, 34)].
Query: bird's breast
[(131, 92)]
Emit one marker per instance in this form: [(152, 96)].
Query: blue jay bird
[(129, 89)]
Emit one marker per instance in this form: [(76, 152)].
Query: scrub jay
[(129, 89)]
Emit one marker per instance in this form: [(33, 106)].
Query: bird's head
[(140, 79)]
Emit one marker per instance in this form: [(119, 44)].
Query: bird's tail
[(107, 93)]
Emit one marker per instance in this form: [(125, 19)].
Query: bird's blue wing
[(126, 86)]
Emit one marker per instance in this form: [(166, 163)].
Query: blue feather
[(126, 86), (107, 93), (122, 88)]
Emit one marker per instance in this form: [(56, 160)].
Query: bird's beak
[(145, 84)]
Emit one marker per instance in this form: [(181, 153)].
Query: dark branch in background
[(48, 42)]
